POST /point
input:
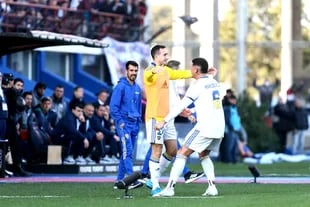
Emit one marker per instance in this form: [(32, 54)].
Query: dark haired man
[(67, 134), (126, 110), (16, 106)]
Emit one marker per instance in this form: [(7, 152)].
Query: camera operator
[(9, 79), (16, 105)]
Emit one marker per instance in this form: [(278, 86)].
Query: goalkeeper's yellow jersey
[(157, 90)]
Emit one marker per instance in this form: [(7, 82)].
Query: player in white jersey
[(208, 131)]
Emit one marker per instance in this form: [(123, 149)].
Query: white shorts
[(195, 141), (159, 136)]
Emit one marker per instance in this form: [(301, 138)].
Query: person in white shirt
[(208, 131)]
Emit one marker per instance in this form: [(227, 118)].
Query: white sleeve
[(190, 96)]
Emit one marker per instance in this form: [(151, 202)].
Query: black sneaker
[(135, 185), (115, 186), (147, 175), (20, 172), (192, 176)]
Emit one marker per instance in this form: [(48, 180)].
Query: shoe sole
[(135, 186), (194, 179), (208, 194)]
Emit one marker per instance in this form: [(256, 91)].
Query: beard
[(132, 77)]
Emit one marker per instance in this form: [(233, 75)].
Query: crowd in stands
[(85, 131), (89, 18)]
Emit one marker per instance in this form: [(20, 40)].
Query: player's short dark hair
[(131, 62), (202, 63), (44, 99), (76, 103), (27, 93), (40, 85), (18, 80), (156, 49)]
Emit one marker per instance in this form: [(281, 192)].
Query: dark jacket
[(98, 126), (3, 111), (284, 118), (67, 128), (87, 130), (301, 119), (45, 120)]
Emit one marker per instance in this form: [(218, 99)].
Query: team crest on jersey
[(126, 136), (165, 85)]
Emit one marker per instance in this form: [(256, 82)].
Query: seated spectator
[(67, 134), (59, 105), (109, 144), (23, 128), (94, 137), (118, 7), (41, 123), (46, 117), (243, 147)]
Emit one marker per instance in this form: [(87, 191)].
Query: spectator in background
[(283, 122), (229, 93), (126, 109), (118, 7), (142, 8), (93, 136), (67, 134), (23, 128), (108, 146), (78, 95), (41, 123), (266, 91), (59, 105), (74, 4), (300, 117), (114, 141), (102, 98), (38, 93), (46, 117), (10, 78), (229, 145), (16, 105), (86, 5), (3, 111)]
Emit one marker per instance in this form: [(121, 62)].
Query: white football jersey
[(205, 94)]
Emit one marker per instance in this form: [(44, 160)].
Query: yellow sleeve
[(179, 74), (148, 77)]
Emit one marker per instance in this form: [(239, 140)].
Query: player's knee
[(204, 154)]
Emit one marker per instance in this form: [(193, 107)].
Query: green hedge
[(261, 138)]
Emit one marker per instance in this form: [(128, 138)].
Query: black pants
[(15, 143)]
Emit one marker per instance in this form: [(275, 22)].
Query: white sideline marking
[(33, 196), (191, 197)]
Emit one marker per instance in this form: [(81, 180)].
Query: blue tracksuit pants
[(128, 136)]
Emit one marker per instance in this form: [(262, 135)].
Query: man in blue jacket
[(126, 109)]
